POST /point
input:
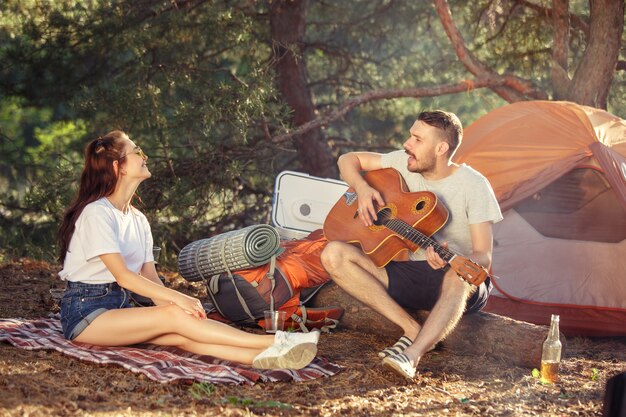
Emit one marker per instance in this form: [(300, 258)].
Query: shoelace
[(280, 337)]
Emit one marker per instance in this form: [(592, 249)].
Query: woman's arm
[(148, 287), (148, 270)]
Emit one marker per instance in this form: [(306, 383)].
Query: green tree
[(519, 49), (181, 78), (225, 94)]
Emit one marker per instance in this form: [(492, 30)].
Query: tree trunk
[(593, 77), (510, 341), (287, 27), (561, 82)]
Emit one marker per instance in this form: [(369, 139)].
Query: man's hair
[(451, 129)]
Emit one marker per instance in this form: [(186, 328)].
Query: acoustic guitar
[(405, 222)]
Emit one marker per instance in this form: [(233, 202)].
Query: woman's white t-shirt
[(100, 229)]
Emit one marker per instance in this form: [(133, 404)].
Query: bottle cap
[(555, 317)]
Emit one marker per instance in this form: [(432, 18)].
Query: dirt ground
[(47, 383)]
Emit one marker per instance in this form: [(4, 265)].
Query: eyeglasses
[(137, 150)]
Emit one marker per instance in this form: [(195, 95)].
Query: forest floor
[(47, 383)]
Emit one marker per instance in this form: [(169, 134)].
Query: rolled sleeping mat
[(249, 247)]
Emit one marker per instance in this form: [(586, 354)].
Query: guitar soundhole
[(383, 216), (420, 205)]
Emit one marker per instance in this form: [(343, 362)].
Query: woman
[(106, 250)]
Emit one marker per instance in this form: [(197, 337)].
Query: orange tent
[(559, 172)]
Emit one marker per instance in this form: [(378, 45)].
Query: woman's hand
[(190, 305)]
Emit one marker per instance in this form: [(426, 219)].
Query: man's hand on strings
[(434, 260)]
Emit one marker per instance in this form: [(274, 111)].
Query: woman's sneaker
[(289, 351), (296, 338)]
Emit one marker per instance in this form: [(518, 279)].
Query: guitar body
[(421, 210)]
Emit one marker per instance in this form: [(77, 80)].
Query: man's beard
[(418, 167)]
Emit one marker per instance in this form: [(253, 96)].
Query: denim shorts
[(416, 286), (82, 303)]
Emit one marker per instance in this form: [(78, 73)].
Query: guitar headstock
[(469, 270)]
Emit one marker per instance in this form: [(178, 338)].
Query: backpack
[(285, 283)]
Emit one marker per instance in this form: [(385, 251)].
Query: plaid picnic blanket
[(159, 363)]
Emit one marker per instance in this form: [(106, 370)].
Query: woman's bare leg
[(129, 326), (229, 353)]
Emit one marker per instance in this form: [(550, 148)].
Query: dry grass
[(47, 383)]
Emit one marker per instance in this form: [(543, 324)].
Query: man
[(422, 282)]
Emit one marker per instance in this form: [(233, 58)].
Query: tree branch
[(386, 94), (511, 88), (575, 20)]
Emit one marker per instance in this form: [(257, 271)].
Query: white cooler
[(301, 202)]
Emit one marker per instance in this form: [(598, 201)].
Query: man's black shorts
[(416, 286)]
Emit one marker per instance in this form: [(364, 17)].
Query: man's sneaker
[(400, 346), (400, 364), (289, 351)]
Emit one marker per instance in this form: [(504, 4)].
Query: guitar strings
[(414, 234), (403, 229)]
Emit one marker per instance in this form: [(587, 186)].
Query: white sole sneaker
[(296, 337), (401, 365), (296, 356)]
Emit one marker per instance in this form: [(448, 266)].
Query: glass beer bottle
[(551, 353)]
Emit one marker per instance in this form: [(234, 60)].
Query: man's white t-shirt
[(466, 194), (100, 229)]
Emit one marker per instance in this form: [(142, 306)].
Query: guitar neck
[(408, 232), (467, 269)]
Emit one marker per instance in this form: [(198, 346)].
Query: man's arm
[(350, 167), (482, 243), (351, 164), (482, 247)]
